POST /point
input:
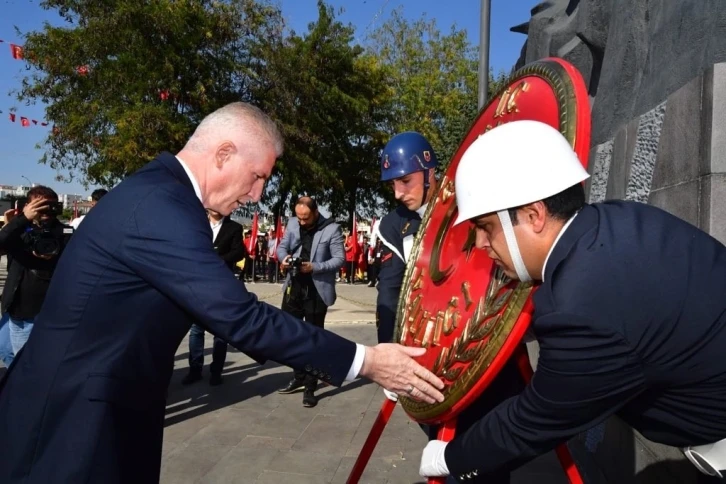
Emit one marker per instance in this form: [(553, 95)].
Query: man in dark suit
[(84, 400), (630, 314), (227, 241)]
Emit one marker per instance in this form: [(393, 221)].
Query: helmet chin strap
[(519, 267), (426, 187)]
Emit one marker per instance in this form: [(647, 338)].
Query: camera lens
[(46, 246)]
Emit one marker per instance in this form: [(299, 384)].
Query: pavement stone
[(262, 437), (245, 432)]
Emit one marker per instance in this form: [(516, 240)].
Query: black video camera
[(295, 265), (44, 240), (54, 208)]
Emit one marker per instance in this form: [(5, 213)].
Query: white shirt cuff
[(360, 355)]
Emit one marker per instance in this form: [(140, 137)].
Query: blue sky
[(19, 157)]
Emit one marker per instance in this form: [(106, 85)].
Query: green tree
[(123, 81), (434, 78), (331, 101)]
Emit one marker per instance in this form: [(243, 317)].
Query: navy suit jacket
[(84, 400), (399, 225), (631, 320)]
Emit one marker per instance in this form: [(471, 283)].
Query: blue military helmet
[(406, 153)]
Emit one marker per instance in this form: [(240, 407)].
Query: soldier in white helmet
[(630, 314)]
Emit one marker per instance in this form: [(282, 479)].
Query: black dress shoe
[(292, 387), (191, 377), (309, 399), (215, 379)]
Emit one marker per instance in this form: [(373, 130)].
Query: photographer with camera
[(312, 252), (34, 239)]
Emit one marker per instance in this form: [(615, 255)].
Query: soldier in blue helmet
[(408, 163)]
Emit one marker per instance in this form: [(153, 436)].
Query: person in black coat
[(227, 241), (630, 313)]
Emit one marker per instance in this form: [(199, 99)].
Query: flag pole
[(485, 24)]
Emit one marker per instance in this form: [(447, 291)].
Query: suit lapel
[(222, 235), (585, 220), (316, 241)]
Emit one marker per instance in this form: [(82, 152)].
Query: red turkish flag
[(82, 70), (253, 238), (164, 95), (12, 117), (24, 121), (354, 238), (16, 51), (278, 238)]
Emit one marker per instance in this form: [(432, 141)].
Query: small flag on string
[(35, 121), (164, 95), (16, 51), (12, 117), (82, 70), (24, 121), (44, 124)]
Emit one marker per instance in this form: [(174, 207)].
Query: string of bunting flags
[(17, 52), (25, 122)]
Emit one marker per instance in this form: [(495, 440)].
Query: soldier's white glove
[(390, 395), (433, 463)]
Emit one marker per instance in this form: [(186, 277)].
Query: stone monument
[(656, 77)]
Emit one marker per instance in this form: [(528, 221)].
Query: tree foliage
[(123, 81), (434, 78), (331, 101)]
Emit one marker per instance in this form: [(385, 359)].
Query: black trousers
[(310, 308), (373, 273), (249, 268), (272, 270)]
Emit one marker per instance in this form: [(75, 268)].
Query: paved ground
[(244, 432)]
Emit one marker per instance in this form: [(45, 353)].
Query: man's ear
[(534, 214), (224, 153)]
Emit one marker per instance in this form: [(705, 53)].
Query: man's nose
[(482, 240), (256, 192)]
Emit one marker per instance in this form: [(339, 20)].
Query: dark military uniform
[(396, 231)]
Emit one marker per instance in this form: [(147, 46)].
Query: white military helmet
[(521, 162)]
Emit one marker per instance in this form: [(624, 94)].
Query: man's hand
[(9, 215), (285, 262), (392, 366), (433, 463), (306, 267), (34, 208)]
